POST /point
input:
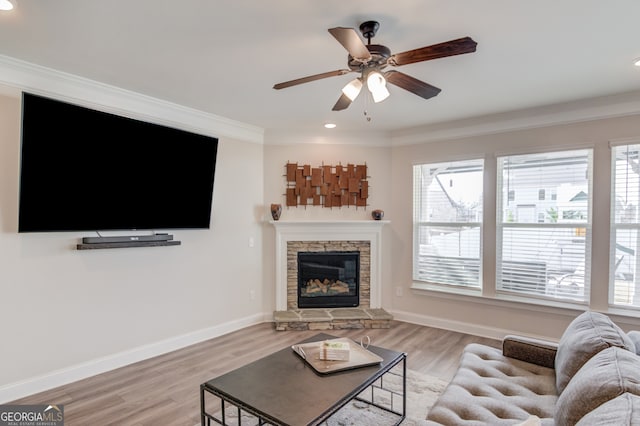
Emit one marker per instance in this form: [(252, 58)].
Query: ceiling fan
[(370, 61)]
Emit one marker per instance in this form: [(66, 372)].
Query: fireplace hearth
[(328, 279)]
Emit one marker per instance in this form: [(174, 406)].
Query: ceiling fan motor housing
[(379, 56)]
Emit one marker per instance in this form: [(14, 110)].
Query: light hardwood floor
[(164, 391)]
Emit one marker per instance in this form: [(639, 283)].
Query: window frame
[(423, 225), (613, 234)]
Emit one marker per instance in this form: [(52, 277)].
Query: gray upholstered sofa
[(590, 377)]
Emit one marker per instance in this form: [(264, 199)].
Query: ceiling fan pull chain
[(366, 105)]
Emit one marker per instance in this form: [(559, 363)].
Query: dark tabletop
[(283, 387)]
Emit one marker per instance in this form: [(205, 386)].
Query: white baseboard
[(458, 326), (51, 380)]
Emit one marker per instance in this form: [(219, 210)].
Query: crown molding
[(618, 105), (370, 138), (24, 76)]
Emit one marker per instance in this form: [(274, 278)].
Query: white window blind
[(624, 280), (447, 206), (543, 243)]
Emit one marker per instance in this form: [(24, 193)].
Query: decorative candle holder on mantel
[(276, 211), (377, 214)]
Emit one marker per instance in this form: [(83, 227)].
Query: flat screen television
[(88, 170)]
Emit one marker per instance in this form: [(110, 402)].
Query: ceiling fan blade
[(350, 40), (310, 78), (411, 84), (343, 103), (435, 51)]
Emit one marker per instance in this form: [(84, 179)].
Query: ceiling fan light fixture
[(6, 5), (352, 89), (375, 80), (377, 86), (380, 94)]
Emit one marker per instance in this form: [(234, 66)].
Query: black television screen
[(88, 170)]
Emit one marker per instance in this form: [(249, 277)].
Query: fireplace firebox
[(329, 279)]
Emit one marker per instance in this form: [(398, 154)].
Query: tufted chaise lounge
[(591, 377)]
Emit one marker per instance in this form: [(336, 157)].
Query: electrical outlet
[(399, 291), (251, 242), (252, 294)]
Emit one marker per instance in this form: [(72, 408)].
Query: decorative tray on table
[(358, 356)]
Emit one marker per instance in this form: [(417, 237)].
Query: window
[(543, 243), (447, 205), (624, 283)]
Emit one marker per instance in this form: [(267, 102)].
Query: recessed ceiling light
[(6, 5), (636, 62), (330, 125)]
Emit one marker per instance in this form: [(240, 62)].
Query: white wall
[(66, 313)]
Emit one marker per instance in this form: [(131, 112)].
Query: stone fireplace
[(362, 309)]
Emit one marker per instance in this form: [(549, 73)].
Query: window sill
[(501, 299)]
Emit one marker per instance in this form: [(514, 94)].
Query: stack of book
[(331, 350)]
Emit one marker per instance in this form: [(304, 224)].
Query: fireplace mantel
[(348, 230), (302, 223)]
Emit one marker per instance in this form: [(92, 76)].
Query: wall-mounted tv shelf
[(155, 240), (127, 244)]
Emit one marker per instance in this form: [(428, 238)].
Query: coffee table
[(282, 389)]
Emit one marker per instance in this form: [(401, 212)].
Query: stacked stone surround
[(335, 318)]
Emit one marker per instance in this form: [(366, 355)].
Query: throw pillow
[(588, 334), (607, 375), (621, 411)]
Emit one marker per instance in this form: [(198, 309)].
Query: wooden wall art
[(328, 186)]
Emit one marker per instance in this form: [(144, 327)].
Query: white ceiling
[(223, 57)]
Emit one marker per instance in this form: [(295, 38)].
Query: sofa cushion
[(634, 335), (609, 374), (588, 334), (621, 411), (492, 389)]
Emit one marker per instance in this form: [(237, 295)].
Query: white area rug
[(422, 392)]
